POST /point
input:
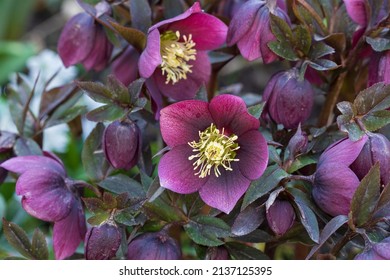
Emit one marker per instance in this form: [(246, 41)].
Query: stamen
[(214, 149), (175, 56)]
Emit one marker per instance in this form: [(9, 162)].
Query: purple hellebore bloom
[(334, 181), (216, 149), (154, 246), (84, 41), (175, 60), (379, 68), (376, 251), (250, 29), (125, 67), (280, 216), (48, 194), (102, 242)]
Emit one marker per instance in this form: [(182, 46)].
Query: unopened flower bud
[(280, 216), (217, 253), (154, 246), (289, 99), (121, 144), (102, 242), (297, 143), (376, 251)]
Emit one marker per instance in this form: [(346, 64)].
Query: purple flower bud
[(125, 67), (376, 251), (121, 144), (297, 144), (154, 246), (102, 243), (217, 253), (250, 29), (376, 149), (289, 99), (356, 10), (379, 68), (280, 216)]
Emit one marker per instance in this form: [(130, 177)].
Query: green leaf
[(134, 91), (284, 50), (346, 108), (347, 124), (302, 38), (382, 208), (65, 117), (319, 49), (121, 183), (379, 44), (376, 120), (321, 64), (205, 230), (26, 147), (92, 156), (119, 92), (248, 220), (52, 99), (39, 245), (172, 8), (18, 239), (95, 205), (97, 92), (266, 183), (141, 15), (256, 236), (301, 161), (106, 113), (281, 29), (327, 232), (256, 110), (241, 251), (366, 197), (218, 57), (99, 219), (129, 217), (133, 36), (372, 99)]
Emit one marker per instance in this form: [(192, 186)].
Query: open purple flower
[(48, 194), (216, 149), (334, 181), (175, 58)]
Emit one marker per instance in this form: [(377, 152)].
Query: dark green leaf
[(205, 230), (337, 40), (97, 91), (372, 99), (376, 120), (121, 183), (39, 245), (256, 110), (346, 108), (106, 113), (133, 36), (218, 57), (302, 38), (172, 8), (382, 208), (134, 91), (321, 64), (52, 99), (129, 217), (284, 50), (248, 220), (347, 124), (281, 29), (26, 147), (18, 239), (366, 197), (241, 251), (119, 92), (256, 236), (319, 49), (66, 116), (99, 219), (109, 200), (95, 205), (301, 162), (266, 183), (141, 15), (379, 44), (327, 232)]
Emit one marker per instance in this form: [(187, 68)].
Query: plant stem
[(336, 249), (212, 85), (309, 179)]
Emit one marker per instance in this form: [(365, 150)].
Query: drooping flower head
[(216, 149), (175, 58), (280, 216), (376, 251), (334, 181), (48, 194)]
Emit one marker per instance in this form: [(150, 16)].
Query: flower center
[(214, 149), (175, 56)]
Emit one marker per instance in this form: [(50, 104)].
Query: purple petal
[(224, 192), (25, 163), (253, 154), (77, 39), (45, 195), (356, 9), (181, 122), (177, 172), (150, 57), (199, 24), (368, 255), (230, 112), (125, 67), (334, 187), (383, 248), (186, 88), (343, 152), (69, 232)]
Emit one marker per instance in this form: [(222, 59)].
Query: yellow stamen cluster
[(175, 56), (214, 149)]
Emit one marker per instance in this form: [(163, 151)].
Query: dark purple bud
[(154, 246), (102, 243), (376, 149), (121, 144), (379, 68), (280, 216), (289, 99), (297, 144), (125, 67), (217, 253), (376, 251)]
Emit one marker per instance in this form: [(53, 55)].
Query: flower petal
[(69, 232), (177, 173), (45, 195), (125, 67), (334, 187), (150, 57), (181, 122), (25, 163), (253, 154), (224, 192), (356, 10), (199, 25), (186, 88), (230, 112)]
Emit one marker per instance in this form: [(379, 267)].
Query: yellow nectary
[(214, 149), (175, 56)]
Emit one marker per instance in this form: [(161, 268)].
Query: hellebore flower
[(49, 195), (121, 144), (376, 149), (175, 58), (84, 41), (250, 28), (125, 67), (216, 149), (280, 216), (289, 99), (154, 246), (102, 242), (334, 181), (379, 68), (376, 251)]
